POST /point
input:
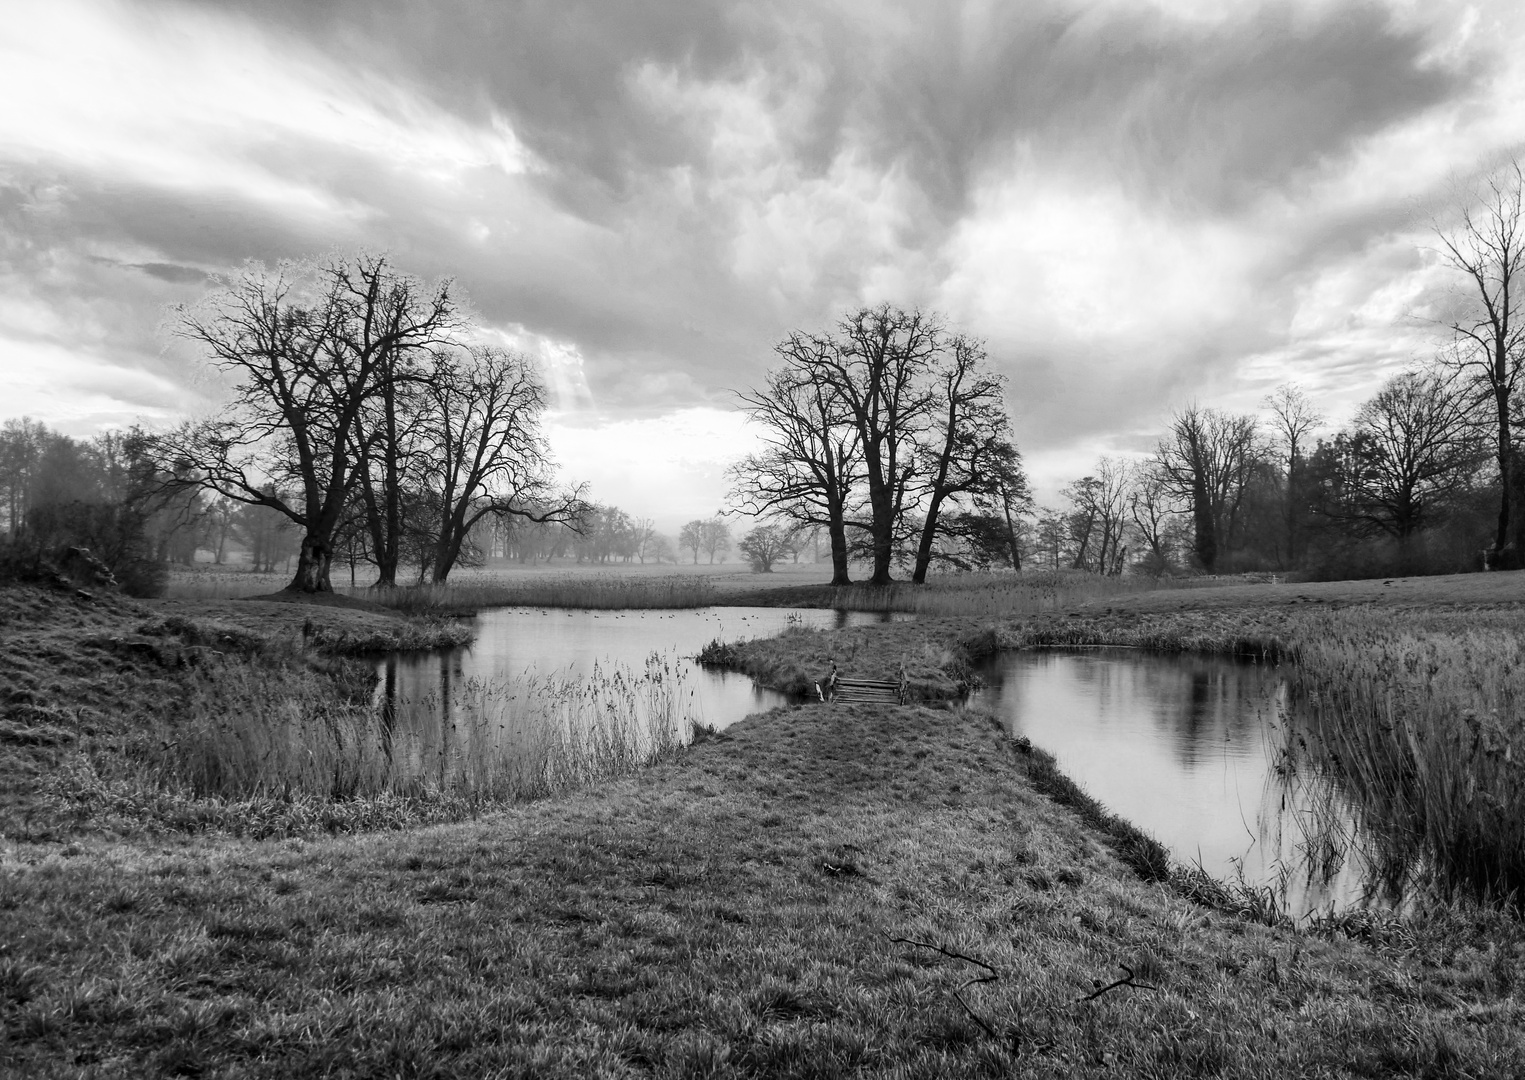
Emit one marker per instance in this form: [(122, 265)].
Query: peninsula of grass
[(811, 893)]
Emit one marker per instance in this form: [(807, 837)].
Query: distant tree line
[(1427, 477), (105, 495), (1405, 487), (888, 433), (605, 534)]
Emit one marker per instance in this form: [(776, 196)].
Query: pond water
[(512, 643), (1187, 749)]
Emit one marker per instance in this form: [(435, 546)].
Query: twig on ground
[(957, 992), (1126, 980)]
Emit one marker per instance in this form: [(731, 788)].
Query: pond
[(512, 643), (1187, 748)]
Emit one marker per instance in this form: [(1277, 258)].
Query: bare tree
[(1206, 461), (1155, 513), (691, 536), (1407, 450), (877, 370), (811, 456), (1099, 514), (21, 445), (1052, 536), (717, 538), (306, 349), (1488, 249), (486, 453), (644, 533), (1293, 418), (765, 545), (967, 448)]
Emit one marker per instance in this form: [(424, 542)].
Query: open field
[(564, 583), (728, 910)]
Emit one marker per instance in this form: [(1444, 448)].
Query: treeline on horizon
[(368, 423), (890, 432), (101, 494)]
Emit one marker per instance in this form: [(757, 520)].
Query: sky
[(1135, 203)]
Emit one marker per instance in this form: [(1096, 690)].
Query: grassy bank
[(124, 715), (1408, 692), (791, 898)]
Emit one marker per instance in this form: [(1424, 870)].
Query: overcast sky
[(1135, 202)]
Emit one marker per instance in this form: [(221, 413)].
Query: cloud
[(1135, 201)]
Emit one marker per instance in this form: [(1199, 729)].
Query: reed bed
[(285, 762), (1422, 726)]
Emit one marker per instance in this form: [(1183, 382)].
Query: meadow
[(625, 586), (821, 890)]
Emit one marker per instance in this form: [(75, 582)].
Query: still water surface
[(512, 642), (1186, 748)]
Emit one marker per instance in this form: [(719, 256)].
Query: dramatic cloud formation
[(1136, 202)]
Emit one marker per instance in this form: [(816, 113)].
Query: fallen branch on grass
[(957, 993), (1126, 980)]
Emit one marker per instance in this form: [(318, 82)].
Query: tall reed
[(1425, 731), (265, 753)]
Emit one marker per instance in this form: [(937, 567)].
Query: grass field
[(734, 908), (753, 909)]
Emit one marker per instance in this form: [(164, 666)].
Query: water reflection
[(419, 691), (1187, 748)]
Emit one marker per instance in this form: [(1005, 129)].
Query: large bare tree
[(811, 457), (485, 452), (386, 433), (878, 370), (1487, 248), (1206, 461), (306, 349)]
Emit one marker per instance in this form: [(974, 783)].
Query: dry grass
[(1422, 725), (261, 761), (110, 695), (728, 913)]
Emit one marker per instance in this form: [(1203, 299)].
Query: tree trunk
[(1205, 540), (882, 530), (312, 566), (1501, 540), (928, 535), (837, 529)]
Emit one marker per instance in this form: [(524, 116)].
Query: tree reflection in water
[(1192, 749)]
